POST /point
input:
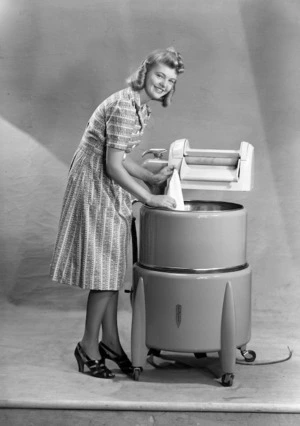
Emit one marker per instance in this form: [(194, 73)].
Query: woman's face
[(159, 81)]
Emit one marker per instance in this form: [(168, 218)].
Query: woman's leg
[(97, 304), (110, 332)]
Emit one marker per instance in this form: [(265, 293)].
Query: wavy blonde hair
[(169, 57)]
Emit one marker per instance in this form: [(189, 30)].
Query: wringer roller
[(191, 288)]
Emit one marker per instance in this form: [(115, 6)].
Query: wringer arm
[(211, 168)]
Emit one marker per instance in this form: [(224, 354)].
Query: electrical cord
[(267, 362), (172, 362)]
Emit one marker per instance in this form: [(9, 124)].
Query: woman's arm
[(116, 170), (137, 171), (140, 172)]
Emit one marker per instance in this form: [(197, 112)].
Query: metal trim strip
[(193, 271)]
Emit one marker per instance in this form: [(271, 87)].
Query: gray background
[(61, 58)]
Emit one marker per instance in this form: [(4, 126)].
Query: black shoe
[(121, 360), (97, 367)]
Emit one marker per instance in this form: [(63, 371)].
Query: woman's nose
[(163, 83)]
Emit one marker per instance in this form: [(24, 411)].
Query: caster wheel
[(227, 379), (249, 356), (200, 355), (136, 374)]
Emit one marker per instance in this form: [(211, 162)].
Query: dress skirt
[(95, 226)]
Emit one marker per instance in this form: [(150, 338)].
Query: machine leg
[(138, 330), (228, 344)]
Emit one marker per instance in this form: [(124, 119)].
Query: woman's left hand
[(161, 177), (158, 181)]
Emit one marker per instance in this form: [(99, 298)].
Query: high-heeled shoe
[(122, 361), (97, 367)]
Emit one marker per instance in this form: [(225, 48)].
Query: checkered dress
[(95, 222)]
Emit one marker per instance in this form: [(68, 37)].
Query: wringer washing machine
[(192, 284)]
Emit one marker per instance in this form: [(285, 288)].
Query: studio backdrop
[(60, 58)]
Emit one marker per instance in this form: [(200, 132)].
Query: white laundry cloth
[(174, 190)]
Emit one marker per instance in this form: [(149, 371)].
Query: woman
[(95, 222)]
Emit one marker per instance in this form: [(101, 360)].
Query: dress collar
[(144, 109)]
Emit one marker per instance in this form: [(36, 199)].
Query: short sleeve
[(120, 123)]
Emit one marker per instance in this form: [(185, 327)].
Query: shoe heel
[(97, 367), (79, 361)]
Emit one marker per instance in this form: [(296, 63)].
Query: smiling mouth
[(159, 90)]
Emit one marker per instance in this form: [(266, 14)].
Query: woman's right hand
[(162, 201)]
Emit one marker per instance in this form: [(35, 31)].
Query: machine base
[(192, 313)]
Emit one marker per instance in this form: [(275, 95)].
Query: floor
[(38, 369)]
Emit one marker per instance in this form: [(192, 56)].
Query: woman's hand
[(158, 181), (162, 201), (161, 177)]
